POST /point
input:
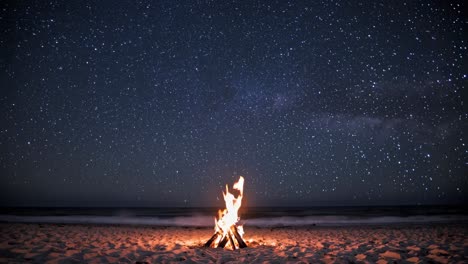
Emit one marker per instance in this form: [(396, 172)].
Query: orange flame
[(229, 217)]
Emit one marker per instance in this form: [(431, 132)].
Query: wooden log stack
[(233, 237)]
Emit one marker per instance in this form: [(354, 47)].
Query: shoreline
[(307, 226), (207, 221)]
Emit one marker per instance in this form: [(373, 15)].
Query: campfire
[(227, 227)]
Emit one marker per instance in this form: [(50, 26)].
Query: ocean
[(254, 216)]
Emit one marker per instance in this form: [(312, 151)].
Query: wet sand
[(52, 243)]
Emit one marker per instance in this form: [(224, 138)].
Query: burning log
[(226, 228), (232, 241), (232, 236), (238, 237), (212, 239), (223, 242)]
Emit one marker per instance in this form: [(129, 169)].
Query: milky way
[(161, 103)]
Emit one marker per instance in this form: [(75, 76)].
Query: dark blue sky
[(161, 103)]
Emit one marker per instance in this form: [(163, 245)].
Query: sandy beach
[(52, 243)]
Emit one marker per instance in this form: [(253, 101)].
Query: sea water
[(253, 216)]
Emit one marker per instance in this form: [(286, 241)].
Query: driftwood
[(232, 236)]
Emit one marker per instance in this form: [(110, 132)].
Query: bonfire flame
[(226, 225)]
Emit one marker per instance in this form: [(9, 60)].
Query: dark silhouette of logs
[(232, 237), (239, 239), (223, 242), (212, 239), (232, 241)]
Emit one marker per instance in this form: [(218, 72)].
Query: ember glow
[(227, 227)]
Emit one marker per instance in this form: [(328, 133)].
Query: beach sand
[(53, 243)]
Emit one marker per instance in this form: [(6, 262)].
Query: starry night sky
[(162, 103)]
